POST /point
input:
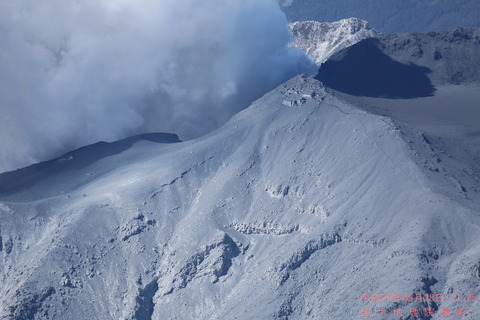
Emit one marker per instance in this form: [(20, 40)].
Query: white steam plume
[(76, 72)]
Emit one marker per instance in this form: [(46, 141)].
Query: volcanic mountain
[(300, 207)]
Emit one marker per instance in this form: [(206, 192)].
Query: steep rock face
[(292, 210), (322, 39)]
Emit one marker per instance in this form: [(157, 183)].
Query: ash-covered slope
[(320, 40), (54, 172), (293, 210), (430, 81)]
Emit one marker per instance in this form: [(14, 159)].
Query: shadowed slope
[(364, 70), (74, 161)]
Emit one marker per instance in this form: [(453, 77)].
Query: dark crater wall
[(405, 65)]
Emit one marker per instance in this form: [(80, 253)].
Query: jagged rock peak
[(320, 40)]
